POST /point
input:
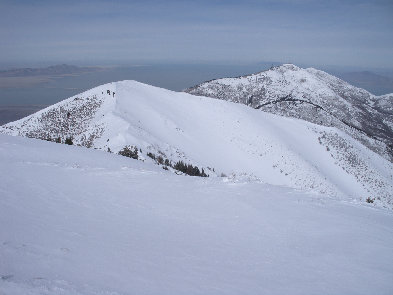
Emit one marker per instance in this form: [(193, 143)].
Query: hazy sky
[(304, 32)]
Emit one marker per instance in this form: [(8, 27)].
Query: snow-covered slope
[(230, 138), (78, 221), (314, 96)]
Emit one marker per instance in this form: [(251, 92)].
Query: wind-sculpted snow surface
[(314, 96), (221, 137), (80, 221)]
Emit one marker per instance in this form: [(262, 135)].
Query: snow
[(231, 138), (81, 221), (314, 96)]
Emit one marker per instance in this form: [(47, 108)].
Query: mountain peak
[(290, 67), (314, 96)]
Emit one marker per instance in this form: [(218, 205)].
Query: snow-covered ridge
[(219, 136), (315, 96)]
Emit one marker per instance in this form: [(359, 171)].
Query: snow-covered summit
[(286, 67), (219, 136), (314, 96)]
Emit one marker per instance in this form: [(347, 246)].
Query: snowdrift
[(80, 221)]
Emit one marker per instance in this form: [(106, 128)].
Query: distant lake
[(12, 113), (171, 77)]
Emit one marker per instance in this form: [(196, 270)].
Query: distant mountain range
[(48, 71)]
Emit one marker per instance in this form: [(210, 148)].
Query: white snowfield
[(230, 138), (79, 221)]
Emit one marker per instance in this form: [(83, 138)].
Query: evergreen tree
[(131, 152), (69, 141), (189, 169)]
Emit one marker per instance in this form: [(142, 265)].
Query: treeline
[(132, 152), (189, 169), (68, 140)]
